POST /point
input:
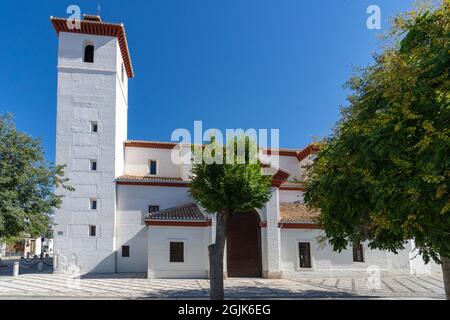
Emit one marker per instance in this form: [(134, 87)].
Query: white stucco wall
[(132, 205), (325, 261), (196, 241), (137, 161), (291, 164), (418, 265), (290, 196)]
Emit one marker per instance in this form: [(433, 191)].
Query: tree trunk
[(446, 274), (216, 252)]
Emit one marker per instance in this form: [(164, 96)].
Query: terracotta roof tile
[(297, 212), (187, 212), (149, 178)]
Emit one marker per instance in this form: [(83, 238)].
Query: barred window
[(176, 251), (93, 204), (304, 253), (358, 252)]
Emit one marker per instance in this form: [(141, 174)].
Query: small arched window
[(89, 53)]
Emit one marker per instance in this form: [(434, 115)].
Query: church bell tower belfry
[(94, 66)]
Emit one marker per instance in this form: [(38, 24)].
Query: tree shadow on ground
[(248, 293)]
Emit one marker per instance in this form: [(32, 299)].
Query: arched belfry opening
[(88, 53), (244, 245)]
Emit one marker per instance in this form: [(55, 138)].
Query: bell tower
[(94, 66)]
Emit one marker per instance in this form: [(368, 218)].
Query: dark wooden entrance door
[(244, 246)]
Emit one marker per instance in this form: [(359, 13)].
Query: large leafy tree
[(384, 175), (233, 185), (27, 182)]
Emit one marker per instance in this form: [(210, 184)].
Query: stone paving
[(137, 286)]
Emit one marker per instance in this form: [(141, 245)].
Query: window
[(152, 167), (89, 53), (304, 253), (122, 73), (153, 208), (176, 251), (358, 252), (94, 126), (93, 204), (93, 165), (60, 233), (125, 251), (92, 231)]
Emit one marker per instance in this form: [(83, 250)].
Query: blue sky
[(232, 64)]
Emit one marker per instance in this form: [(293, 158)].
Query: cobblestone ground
[(136, 286)]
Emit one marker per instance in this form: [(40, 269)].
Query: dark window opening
[(358, 252), (94, 127), (153, 208), (304, 252), (177, 252), (93, 204), (125, 251), (89, 53), (94, 165), (152, 167), (92, 231)]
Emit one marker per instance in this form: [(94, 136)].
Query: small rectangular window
[(176, 251), (89, 53), (122, 73), (153, 208), (93, 204), (92, 231), (93, 165), (358, 252), (60, 233), (94, 126), (304, 253), (125, 251), (152, 167)]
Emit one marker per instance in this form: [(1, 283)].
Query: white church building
[(131, 210)]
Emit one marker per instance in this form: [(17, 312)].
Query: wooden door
[(244, 246)]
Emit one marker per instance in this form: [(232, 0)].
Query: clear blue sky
[(232, 64)]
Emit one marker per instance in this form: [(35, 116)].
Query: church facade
[(131, 210)]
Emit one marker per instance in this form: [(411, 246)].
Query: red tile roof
[(94, 25), (149, 178), (312, 148), (297, 213), (300, 154)]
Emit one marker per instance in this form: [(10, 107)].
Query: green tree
[(26, 183), (228, 187), (384, 174)]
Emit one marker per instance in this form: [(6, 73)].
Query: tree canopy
[(238, 187), (231, 184), (384, 174), (26, 183)]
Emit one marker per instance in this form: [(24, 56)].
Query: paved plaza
[(47, 285)]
